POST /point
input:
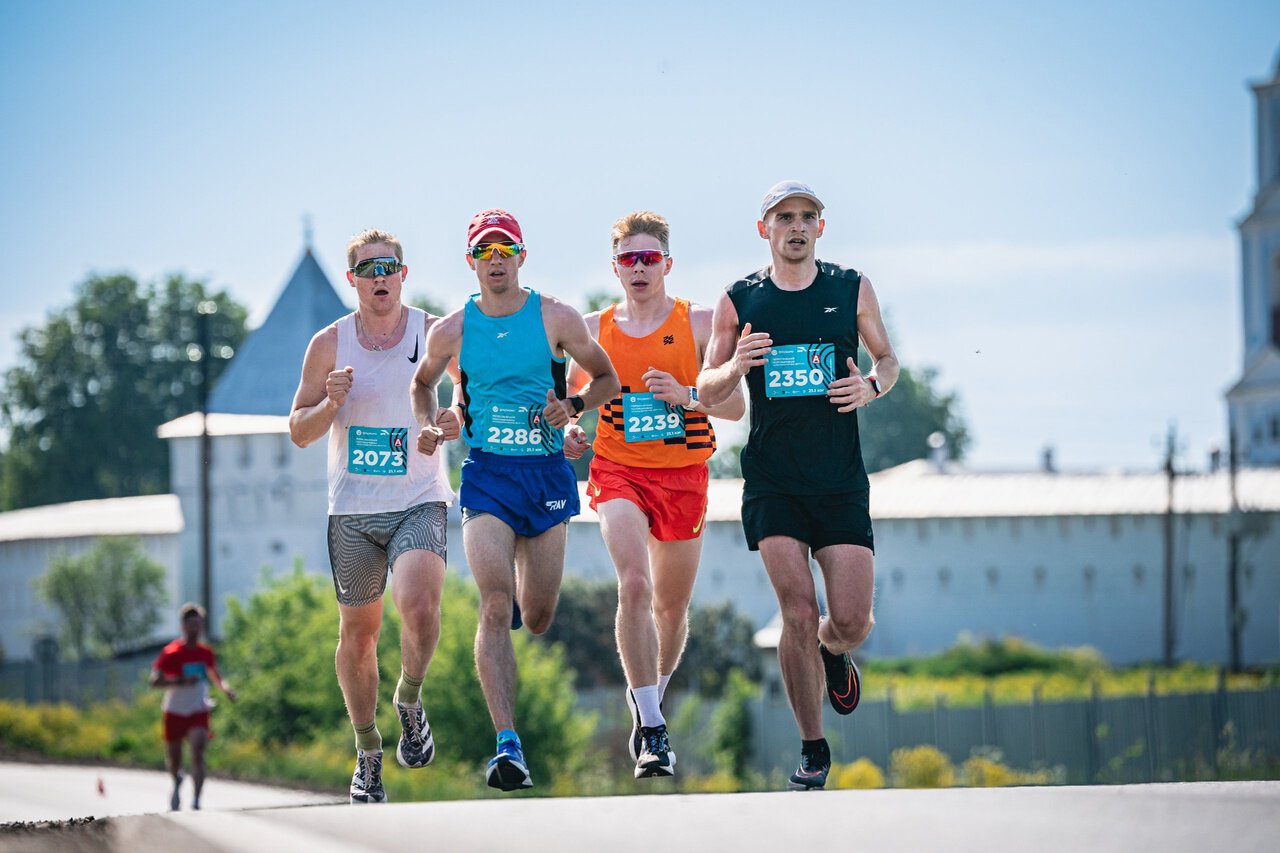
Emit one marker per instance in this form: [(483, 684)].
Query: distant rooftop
[(263, 376), (148, 514)]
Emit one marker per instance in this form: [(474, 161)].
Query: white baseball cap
[(784, 190)]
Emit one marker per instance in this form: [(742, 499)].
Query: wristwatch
[(693, 399), (875, 385), (577, 404)]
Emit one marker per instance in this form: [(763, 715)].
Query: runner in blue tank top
[(506, 351)]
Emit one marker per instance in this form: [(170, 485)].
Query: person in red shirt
[(184, 670)]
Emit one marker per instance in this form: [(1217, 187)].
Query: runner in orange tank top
[(649, 473)]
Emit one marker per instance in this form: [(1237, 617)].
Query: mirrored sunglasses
[(374, 267), (648, 257), (484, 251)]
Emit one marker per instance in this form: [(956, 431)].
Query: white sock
[(647, 703), (663, 681)]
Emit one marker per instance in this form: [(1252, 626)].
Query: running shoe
[(656, 756), (507, 770), (634, 744), (416, 747), (366, 782), (812, 773), (844, 682), (175, 802)]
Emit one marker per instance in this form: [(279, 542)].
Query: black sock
[(815, 747)]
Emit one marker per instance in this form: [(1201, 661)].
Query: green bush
[(921, 767)]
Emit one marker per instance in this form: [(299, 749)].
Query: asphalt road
[(1169, 818), (33, 792)]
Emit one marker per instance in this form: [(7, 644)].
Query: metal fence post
[(1149, 723)]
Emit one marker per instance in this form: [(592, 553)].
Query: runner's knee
[(635, 590)]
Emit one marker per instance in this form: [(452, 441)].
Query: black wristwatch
[(875, 385), (577, 404)]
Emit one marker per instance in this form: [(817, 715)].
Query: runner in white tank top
[(386, 504)]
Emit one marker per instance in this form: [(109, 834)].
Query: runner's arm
[(875, 339), (321, 391), (702, 320), (730, 355)]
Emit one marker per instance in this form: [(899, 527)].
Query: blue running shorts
[(530, 494)]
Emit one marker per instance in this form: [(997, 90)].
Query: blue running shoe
[(507, 770)]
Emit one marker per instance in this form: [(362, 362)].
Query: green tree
[(430, 305), (896, 428), (95, 381), (109, 597), (598, 300), (280, 646)]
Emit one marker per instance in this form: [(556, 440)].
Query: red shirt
[(178, 660)]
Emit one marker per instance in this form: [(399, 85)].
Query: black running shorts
[(816, 520)]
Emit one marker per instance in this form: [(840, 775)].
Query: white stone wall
[(1072, 581)]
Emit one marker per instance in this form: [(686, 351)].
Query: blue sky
[(1043, 194)]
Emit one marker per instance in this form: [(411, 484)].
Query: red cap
[(489, 222)]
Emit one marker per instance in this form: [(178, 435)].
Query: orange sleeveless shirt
[(670, 347)]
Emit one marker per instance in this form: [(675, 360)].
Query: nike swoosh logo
[(698, 526), (413, 359)]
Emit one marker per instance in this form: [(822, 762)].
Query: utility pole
[(1235, 618), (1170, 475), (204, 310)]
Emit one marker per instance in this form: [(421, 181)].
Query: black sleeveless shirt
[(801, 444)]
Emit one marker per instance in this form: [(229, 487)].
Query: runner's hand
[(429, 438), (664, 387), (338, 384), (557, 412), (852, 391), (449, 425), (752, 348), (575, 442)]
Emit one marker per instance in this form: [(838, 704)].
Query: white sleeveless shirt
[(374, 463)]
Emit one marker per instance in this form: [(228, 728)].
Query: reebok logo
[(668, 340), (413, 359), (829, 310), (555, 505), (502, 335)]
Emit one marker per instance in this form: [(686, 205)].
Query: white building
[(1254, 401)]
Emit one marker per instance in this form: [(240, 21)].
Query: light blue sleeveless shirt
[(507, 368)]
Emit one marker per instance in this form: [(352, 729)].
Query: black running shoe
[(656, 756), (634, 745), (812, 773), (175, 802), (366, 782), (844, 682), (416, 747), (507, 770)]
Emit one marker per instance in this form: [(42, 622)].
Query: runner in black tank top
[(800, 444), (792, 331)]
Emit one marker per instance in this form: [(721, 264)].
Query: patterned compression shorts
[(362, 547)]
